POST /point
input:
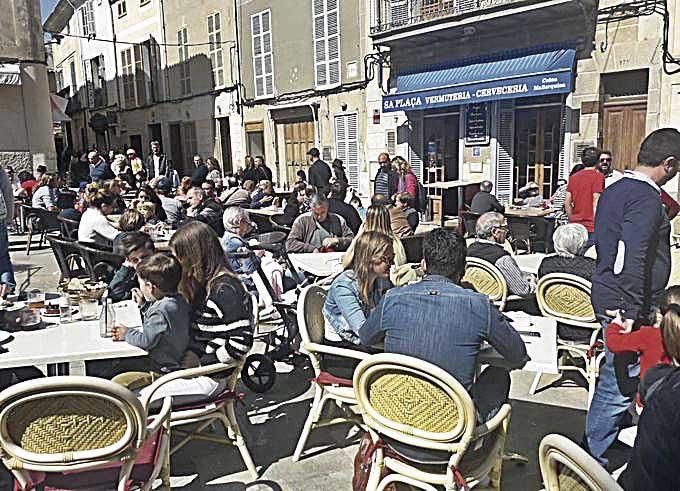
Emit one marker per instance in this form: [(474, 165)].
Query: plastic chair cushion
[(187, 392)]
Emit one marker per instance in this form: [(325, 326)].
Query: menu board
[(477, 124)]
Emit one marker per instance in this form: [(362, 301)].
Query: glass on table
[(35, 300), (65, 314), (89, 308)]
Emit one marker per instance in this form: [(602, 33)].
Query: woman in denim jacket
[(359, 288)]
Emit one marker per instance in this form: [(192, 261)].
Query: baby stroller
[(278, 331)]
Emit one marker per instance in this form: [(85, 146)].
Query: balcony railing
[(395, 14)]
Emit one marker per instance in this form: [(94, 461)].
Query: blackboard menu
[(477, 124)]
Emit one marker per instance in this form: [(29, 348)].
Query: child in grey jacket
[(166, 321)]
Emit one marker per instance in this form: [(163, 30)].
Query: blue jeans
[(6, 268), (616, 387)]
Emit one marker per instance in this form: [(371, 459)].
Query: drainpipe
[(115, 63), (165, 49)]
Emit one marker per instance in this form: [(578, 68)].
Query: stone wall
[(18, 160)]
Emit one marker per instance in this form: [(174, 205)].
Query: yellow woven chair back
[(63, 420), (566, 298), (486, 279), (565, 466), (413, 401), (312, 306), (69, 423)]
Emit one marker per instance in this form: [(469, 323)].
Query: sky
[(46, 7)]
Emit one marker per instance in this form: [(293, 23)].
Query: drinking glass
[(89, 308), (65, 310), (36, 300)]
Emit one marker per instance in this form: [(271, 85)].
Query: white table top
[(267, 211), (319, 264), (529, 263), (450, 184), (64, 343), (540, 338)]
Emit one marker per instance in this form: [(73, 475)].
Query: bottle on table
[(107, 320)]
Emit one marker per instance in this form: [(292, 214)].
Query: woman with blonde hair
[(222, 306), (378, 220), (359, 288), (408, 182)]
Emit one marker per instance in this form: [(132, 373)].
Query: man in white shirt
[(606, 167)]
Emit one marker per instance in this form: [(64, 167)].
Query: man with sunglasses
[(606, 167)]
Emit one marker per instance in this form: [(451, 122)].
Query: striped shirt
[(382, 183), (224, 325)]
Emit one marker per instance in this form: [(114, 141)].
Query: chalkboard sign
[(477, 124)]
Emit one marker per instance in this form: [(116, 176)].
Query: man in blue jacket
[(632, 237)]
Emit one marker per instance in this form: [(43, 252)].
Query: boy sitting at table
[(166, 319), (135, 246)]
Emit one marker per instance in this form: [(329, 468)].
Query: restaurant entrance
[(537, 146), (441, 135)]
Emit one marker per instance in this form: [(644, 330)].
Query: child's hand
[(137, 296), (626, 325), (118, 333)]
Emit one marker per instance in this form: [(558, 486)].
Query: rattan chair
[(101, 264), (565, 466), (68, 257), (69, 228), (82, 433), (411, 402), (488, 279), (566, 298), (327, 387), (39, 221)]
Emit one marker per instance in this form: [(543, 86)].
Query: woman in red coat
[(408, 182)]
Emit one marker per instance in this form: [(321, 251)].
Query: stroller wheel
[(258, 373)]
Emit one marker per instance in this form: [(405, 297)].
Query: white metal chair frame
[(457, 441), (210, 411), (583, 351), (207, 413), (312, 346), (557, 450), (140, 427)]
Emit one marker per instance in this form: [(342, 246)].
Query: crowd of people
[(196, 303)]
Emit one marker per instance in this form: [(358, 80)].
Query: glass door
[(537, 147)]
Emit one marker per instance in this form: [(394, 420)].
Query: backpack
[(421, 198)]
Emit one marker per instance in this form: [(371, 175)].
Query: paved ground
[(272, 422)]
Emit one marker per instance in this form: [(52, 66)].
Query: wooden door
[(176, 152), (623, 129), (298, 138)]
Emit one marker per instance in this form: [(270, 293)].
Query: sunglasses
[(605, 160)]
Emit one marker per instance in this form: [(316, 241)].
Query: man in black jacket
[(319, 172), (205, 210), (263, 172), (200, 172), (157, 165), (337, 205), (484, 201)]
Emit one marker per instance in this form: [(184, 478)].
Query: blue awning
[(503, 77)]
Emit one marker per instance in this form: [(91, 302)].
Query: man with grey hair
[(205, 209), (492, 230), (484, 201), (318, 230)]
